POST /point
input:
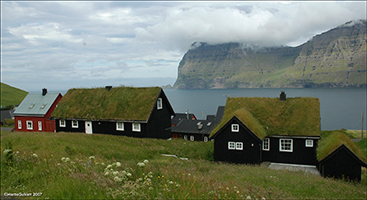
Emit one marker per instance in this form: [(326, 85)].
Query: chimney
[(108, 88), (283, 97), (44, 91)]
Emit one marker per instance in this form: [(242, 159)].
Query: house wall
[(47, 124), (160, 120), (103, 127), (299, 155), (251, 153), (197, 137), (341, 165), (53, 106)]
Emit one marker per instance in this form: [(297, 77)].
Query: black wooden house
[(254, 130), (340, 158), (128, 111)]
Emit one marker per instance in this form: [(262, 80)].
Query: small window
[(239, 146), (185, 137), (29, 125), (136, 127), (39, 125), (205, 139), (231, 145), (309, 143), (266, 144), (120, 126), (19, 124), (74, 124), (43, 106), (235, 128), (62, 123), (286, 145), (159, 103), (192, 138), (31, 106)]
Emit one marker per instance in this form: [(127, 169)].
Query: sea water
[(339, 107)]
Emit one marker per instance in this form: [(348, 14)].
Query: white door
[(88, 127)]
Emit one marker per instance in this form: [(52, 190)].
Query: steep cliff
[(336, 58)]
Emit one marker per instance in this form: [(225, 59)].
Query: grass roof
[(330, 142), (271, 116), (120, 103)]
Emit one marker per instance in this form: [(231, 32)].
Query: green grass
[(81, 166), (11, 95)]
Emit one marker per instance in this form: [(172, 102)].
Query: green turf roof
[(271, 116), (333, 141), (120, 103)]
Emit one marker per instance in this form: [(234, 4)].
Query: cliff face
[(336, 58)]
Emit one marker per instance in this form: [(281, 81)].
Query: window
[(74, 124), (29, 125), (239, 146), (185, 137), (136, 127), (309, 143), (62, 123), (266, 144), (286, 145), (39, 125), (159, 103), (231, 145), (19, 124), (192, 138), (205, 139), (235, 128), (120, 126)]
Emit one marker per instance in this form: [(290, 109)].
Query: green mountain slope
[(336, 58), (11, 95)]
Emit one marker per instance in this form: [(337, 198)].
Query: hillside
[(11, 95), (82, 166), (336, 58)]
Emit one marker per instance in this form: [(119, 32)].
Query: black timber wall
[(251, 153), (300, 154)]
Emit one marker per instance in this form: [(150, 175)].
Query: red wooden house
[(34, 113)]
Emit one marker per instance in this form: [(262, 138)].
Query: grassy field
[(11, 95), (81, 166)]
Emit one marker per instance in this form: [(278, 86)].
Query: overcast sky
[(62, 45)]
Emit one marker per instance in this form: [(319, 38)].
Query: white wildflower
[(146, 161), (171, 182), (117, 179), (17, 152), (263, 198), (102, 163), (7, 151), (150, 188), (72, 162), (35, 155), (106, 174), (118, 164), (128, 174), (67, 159), (92, 157), (108, 166), (63, 159), (141, 164), (248, 197), (115, 173)]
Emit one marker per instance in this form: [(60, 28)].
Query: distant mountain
[(11, 95), (336, 58)]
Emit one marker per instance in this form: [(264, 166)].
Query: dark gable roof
[(120, 103), (193, 126), (271, 116), (332, 143), (180, 116)]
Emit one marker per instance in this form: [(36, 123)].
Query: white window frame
[(76, 125), (62, 123), (185, 137), (282, 149), (20, 124), (267, 142), (40, 125), (206, 139), (192, 138), (309, 143), (159, 103), (31, 125), (120, 128), (137, 128), (239, 145), (235, 128), (231, 145)]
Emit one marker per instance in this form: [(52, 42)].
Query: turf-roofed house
[(279, 130), (128, 111), (34, 112), (339, 157)]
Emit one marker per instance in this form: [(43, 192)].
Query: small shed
[(128, 111), (280, 130), (340, 158), (34, 112)]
